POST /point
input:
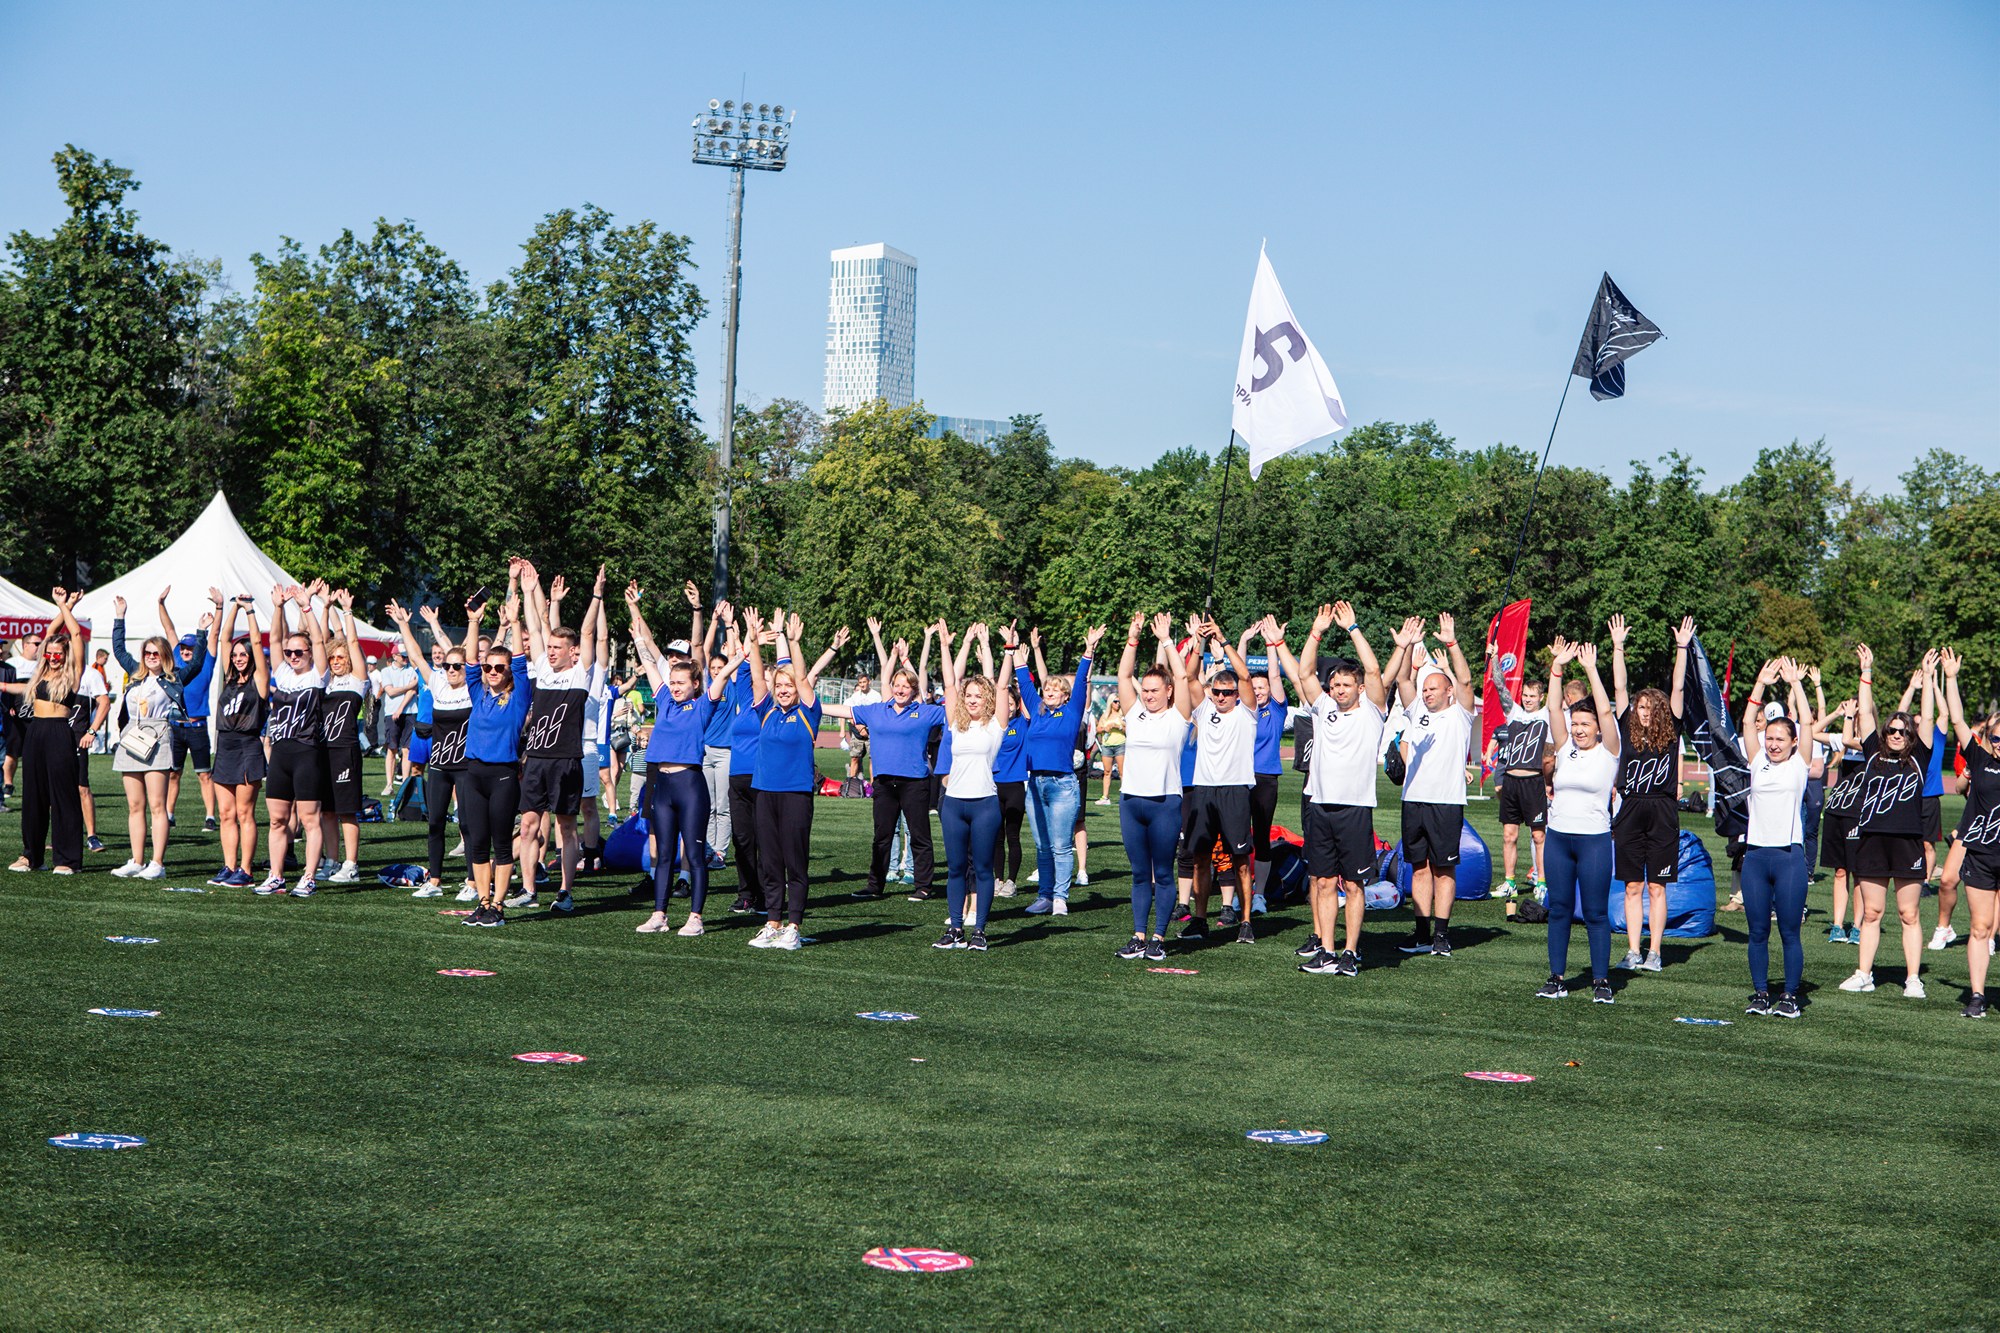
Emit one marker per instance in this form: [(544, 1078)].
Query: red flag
[(1728, 670), (1509, 633)]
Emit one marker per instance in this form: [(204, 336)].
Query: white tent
[(214, 552), (21, 612)]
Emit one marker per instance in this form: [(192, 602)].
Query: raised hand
[(874, 624), (1138, 623), (1951, 662), (1010, 637), (1272, 631), (692, 593), (1930, 660), (1849, 707), (1586, 653), (118, 607), (1413, 630), (1090, 640), (430, 615), (632, 594), (597, 586), (558, 588), (1035, 638), (900, 649), (795, 629), (1788, 670), (1812, 673), (346, 600), (1618, 630), (394, 610), (840, 637), (753, 620), (215, 595), (1163, 627), (1684, 635), (1447, 630), (164, 591), (1340, 613), (1866, 656), (1563, 651), (725, 613), (1768, 672)]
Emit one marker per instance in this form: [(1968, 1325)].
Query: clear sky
[(1805, 197)]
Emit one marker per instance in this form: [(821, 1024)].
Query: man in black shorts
[(1517, 749), (1218, 802), (1437, 741), (16, 666), (552, 749)]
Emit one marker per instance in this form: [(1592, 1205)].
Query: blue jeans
[(1055, 798), (971, 828), (1774, 880), (1151, 825), (1579, 868)]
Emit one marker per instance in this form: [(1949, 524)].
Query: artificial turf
[(338, 1139)]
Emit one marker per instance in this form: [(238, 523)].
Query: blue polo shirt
[(1052, 731), (898, 735), (1010, 762), (1934, 775), (679, 729), (1271, 720), (493, 736), (785, 750)]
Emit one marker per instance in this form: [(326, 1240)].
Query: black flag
[(1616, 332), (1705, 721)]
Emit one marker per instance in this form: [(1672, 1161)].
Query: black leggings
[(910, 798), (743, 836), (679, 812), (489, 796), (49, 793), (1007, 847), (784, 842), (438, 787), (1263, 805)]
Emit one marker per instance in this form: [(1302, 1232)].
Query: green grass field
[(339, 1139)]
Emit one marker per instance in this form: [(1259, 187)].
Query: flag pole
[(1535, 491), (1215, 547)]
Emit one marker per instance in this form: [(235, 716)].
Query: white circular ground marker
[(189, 889), (1499, 1076), (130, 939), (1291, 1137), (899, 1260), (97, 1141), (127, 1013), (889, 1016), (550, 1058), (464, 972)]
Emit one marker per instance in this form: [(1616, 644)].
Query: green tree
[(1963, 569), (1656, 559)]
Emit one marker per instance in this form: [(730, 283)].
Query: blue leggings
[(1579, 868), (1151, 826), (971, 828), (680, 827), (1774, 880)]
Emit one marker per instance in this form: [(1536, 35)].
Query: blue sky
[(1805, 197)]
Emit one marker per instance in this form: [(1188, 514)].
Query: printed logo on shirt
[(1651, 772), (1886, 791), (546, 729)]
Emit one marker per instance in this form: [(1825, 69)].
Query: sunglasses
[(151, 652), (296, 652), (1221, 693), (493, 671), (1896, 731), (454, 666)]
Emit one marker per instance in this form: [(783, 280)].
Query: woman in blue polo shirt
[(1054, 795), (784, 777), (489, 786), (899, 732)]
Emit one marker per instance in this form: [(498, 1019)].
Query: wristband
[(1349, 629), (1448, 643), (1131, 643)]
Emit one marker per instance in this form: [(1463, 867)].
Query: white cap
[(1773, 710)]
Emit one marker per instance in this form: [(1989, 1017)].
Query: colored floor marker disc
[(1176, 971), (456, 911), (898, 1260), (189, 889), (127, 1013), (549, 1058), (464, 972), (1499, 1076), (889, 1016), (1298, 1138), (1706, 1022), (97, 1141), (130, 939)]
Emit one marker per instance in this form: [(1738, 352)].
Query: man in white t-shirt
[(1349, 714), (857, 735), (395, 690), (1437, 737), (1217, 802)]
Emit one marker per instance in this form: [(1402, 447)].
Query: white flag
[(1285, 395)]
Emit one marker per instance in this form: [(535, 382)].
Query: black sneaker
[(1600, 991), (866, 894), (1322, 964), (976, 941), (93, 843), (1785, 1006), (1974, 1007), (478, 917), (1552, 989), (740, 906), (1415, 945), (1350, 964), (925, 895), (1195, 929), (1310, 949), (495, 917), (209, 825), (953, 938), (1229, 917), (564, 903), (1760, 1005), (682, 888), (1246, 933), (1441, 945), (1156, 950), (1134, 948)]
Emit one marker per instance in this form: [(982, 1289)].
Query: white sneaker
[(347, 874), (765, 937), (788, 938), (691, 927), (1104, 800), (153, 870), (429, 891), (1003, 888), (1860, 981), (1652, 963), (470, 893), (129, 869), (1631, 961), (1035, 876), (1943, 937), (1082, 880), (460, 849), (1060, 907), (1913, 989)]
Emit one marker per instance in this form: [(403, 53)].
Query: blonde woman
[(145, 753), (1111, 745), (976, 712), (55, 706)]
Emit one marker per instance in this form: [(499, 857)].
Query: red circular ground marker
[(899, 1260), (1499, 1076), (1176, 971), (459, 911), (550, 1058), (464, 972)]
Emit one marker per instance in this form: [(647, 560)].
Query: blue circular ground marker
[(127, 1013), (887, 1016), (1290, 1137), (1706, 1022), (97, 1141)]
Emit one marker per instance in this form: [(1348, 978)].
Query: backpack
[(852, 787), (1392, 763), (1530, 911)]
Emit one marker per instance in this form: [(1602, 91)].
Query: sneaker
[(429, 891), (1156, 951), (1836, 934), (1552, 989), (865, 894), (1860, 981), (1195, 929), (1041, 906), (1082, 880), (211, 825), (1350, 963), (241, 880), (129, 869), (766, 936), (327, 865), (93, 843), (1415, 945), (1257, 907), (153, 870), (788, 939), (1760, 1005), (1974, 1007), (305, 888), (1652, 963), (1506, 889), (690, 928), (1060, 907), (460, 849), (1943, 937), (1600, 991), (523, 897), (1631, 961), (275, 884), (477, 918), (1034, 876), (681, 887), (468, 894), (953, 938), (1228, 918), (1322, 964), (976, 941), (1104, 800), (564, 903), (1785, 1006), (170, 819), (1310, 949), (715, 861), (1913, 989), (347, 874), (222, 878), (1134, 948), (909, 878), (1246, 934), (1441, 945), (740, 906), (1003, 888), (925, 896)]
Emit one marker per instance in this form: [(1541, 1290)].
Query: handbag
[(140, 741)]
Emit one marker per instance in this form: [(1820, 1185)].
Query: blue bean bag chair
[(1690, 898), (1475, 867), (630, 846), (1287, 880)]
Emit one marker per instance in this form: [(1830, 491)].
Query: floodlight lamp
[(763, 108), (777, 111), (713, 104)]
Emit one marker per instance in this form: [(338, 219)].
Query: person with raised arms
[(788, 712), (1437, 741), (1516, 751), (489, 786), (1268, 704), (1978, 831), (561, 662), (1217, 801), (1578, 852), (899, 732), (969, 810), (1055, 713), (1349, 713), (240, 762), (1889, 849), (346, 698), (1774, 857), (1647, 827), (1158, 709), (451, 712), (295, 785), (53, 708), (1010, 778), (1836, 825)]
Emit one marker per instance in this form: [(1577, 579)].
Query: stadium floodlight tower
[(743, 136)]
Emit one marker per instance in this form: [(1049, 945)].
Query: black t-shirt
[(556, 713), (296, 700), (1980, 828), (241, 710), (341, 713), (451, 711), (1521, 744), (1843, 793), (1892, 790), (1644, 773)]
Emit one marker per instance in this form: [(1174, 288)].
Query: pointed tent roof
[(215, 552)]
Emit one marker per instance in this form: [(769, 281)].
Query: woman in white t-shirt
[(1578, 852), (1773, 878), (1156, 708), (976, 711)]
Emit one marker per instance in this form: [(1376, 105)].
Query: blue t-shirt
[(196, 695), (722, 722), (1187, 759), (1934, 775), (1052, 732), (1271, 720), (898, 735), (493, 736), (785, 751), (679, 729), (1010, 762)]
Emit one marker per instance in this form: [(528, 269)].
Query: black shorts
[(1982, 871), (396, 730), (1184, 853), (298, 772), (1886, 856), (1524, 801), (1219, 812), (343, 778), (1340, 842), (1646, 840), (190, 740), (551, 786), (1263, 805), (1431, 834), (1836, 842), (239, 759), (1933, 819)]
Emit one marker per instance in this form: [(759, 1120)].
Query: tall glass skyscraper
[(871, 327)]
